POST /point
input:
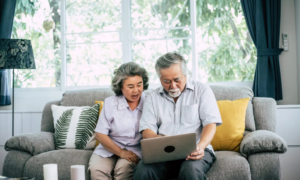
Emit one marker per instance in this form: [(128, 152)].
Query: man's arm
[(210, 117), (148, 133), (207, 136), (148, 122)]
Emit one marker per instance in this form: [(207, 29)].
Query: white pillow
[(74, 126)]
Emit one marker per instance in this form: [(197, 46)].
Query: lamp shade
[(16, 54)]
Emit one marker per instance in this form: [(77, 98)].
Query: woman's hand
[(130, 156)]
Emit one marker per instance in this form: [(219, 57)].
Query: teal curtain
[(263, 22), (7, 13)]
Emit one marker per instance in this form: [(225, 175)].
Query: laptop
[(168, 148)]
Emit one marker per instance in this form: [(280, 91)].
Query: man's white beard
[(174, 93)]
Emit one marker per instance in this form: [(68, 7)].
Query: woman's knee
[(124, 168), (100, 168), (99, 172)]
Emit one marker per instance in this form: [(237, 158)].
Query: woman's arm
[(111, 146), (108, 144)]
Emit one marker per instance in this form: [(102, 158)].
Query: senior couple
[(180, 106)]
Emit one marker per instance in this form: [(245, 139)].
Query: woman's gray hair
[(128, 70), (169, 59)]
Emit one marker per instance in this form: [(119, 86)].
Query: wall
[(288, 59), (288, 123), (297, 15)]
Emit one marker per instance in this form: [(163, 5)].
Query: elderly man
[(180, 106)]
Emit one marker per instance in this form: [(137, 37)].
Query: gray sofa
[(258, 158)]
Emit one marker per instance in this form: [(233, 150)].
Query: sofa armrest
[(265, 166), (33, 143), (262, 141)]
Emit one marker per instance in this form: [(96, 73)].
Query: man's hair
[(126, 70), (169, 59)]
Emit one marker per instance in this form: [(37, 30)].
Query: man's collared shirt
[(121, 124), (195, 108)]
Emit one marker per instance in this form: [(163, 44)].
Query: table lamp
[(16, 54)]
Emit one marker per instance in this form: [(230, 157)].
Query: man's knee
[(192, 170), (143, 171)]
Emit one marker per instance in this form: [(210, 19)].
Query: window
[(159, 27), (39, 21), (93, 43), (81, 42), (225, 51)]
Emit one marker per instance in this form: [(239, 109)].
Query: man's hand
[(130, 156), (196, 155)]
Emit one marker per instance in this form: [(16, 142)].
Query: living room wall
[(288, 59)]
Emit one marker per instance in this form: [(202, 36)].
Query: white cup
[(50, 172), (77, 172)]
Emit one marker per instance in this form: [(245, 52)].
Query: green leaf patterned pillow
[(74, 126)]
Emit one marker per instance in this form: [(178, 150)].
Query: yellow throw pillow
[(230, 134), (100, 109), (101, 106)]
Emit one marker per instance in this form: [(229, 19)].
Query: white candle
[(50, 172), (77, 172)]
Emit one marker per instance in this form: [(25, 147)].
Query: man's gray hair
[(169, 59), (126, 70)]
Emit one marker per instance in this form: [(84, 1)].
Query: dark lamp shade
[(16, 54)]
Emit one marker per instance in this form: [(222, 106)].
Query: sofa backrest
[(88, 98), (85, 97), (73, 98)]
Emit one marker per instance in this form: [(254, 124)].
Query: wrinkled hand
[(130, 156), (196, 155)]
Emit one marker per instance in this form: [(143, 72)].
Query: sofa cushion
[(64, 159), (85, 97), (229, 165), (75, 126), (232, 93), (229, 135)]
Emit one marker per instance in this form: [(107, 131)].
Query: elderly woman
[(117, 130)]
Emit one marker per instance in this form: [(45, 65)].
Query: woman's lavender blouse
[(121, 124)]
